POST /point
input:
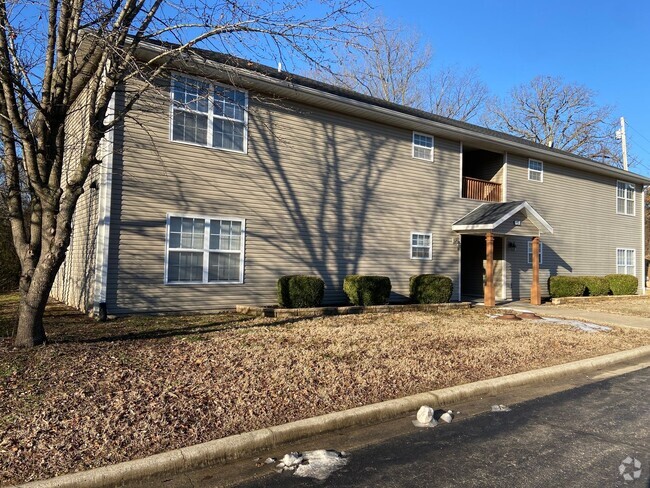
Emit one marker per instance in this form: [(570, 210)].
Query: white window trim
[(206, 249), (633, 214), (633, 259), (529, 252), (430, 245), (210, 114), (413, 146), (541, 172)]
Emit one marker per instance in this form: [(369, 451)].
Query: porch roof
[(489, 216)]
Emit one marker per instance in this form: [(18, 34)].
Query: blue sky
[(603, 45)]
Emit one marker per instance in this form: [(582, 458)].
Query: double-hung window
[(422, 146), (209, 114), (204, 250), (625, 261), (535, 170), (624, 198), (530, 252), (420, 246)]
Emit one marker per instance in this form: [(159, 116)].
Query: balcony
[(476, 189)]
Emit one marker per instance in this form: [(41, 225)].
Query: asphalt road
[(575, 438)]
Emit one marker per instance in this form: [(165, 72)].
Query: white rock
[(425, 415), (447, 416)]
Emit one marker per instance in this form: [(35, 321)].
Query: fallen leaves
[(143, 388)]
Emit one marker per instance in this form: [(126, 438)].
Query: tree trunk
[(33, 298)]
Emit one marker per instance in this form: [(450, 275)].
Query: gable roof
[(293, 85), (489, 216)]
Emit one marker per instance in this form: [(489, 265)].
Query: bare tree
[(53, 53), (557, 114), (390, 64), (456, 94), (394, 64)]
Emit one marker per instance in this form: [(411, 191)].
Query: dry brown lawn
[(639, 307), (103, 393)]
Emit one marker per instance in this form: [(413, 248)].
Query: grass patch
[(101, 393), (638, 307)]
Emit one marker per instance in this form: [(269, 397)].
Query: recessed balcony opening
[(482, 175)]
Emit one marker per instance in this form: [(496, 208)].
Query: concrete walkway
[(566, 312)]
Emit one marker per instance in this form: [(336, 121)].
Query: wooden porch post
[(488, 298), (535, 295)]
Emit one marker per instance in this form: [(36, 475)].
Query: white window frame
[(626, 265), (430, 236), (211, 115), (532, 171), (529, 252), (206, 249), (625, 199), (413, 146)]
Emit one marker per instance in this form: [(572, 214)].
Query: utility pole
[(620, 134)]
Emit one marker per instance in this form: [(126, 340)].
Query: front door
[(472, 266)]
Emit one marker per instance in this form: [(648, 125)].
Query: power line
[(642, 136)]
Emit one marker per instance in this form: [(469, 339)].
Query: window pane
[(224, 267), (185, 266), (228, 135), (630, 207), (175, 224), (229, 103), (191, 94), (190, 127)]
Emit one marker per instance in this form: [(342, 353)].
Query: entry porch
[(484, 236)]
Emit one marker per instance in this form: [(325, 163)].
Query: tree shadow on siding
[(324, 198), (551, 262)]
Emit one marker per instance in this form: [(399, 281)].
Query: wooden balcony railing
[(481, 189)]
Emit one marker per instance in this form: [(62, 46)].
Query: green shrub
[(566, 286), (367, 290), (430, 288), (622, 284), (596, 285), (300, 291)]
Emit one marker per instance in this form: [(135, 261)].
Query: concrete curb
[(237, 446)]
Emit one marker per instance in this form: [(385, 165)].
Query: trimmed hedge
[(300, 291), (367, 290), (566, 286), (430, 288), (622, 284), (595, 285)]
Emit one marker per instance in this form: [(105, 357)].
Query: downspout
[(104, 219), (643, 224)]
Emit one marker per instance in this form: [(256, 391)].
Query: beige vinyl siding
[(74, 283), (321, 193), (581, 208)]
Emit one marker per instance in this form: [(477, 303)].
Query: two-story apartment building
[(233, 174)]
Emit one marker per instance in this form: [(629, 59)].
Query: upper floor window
[(535, 170), (204, 250), (422, 146), (625, 198), (420, 246), (209, 114), (530, 252), (625, 261)]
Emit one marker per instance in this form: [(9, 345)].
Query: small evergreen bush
[(300, 291), (566, 286), (430, 288), (596, 285), (367, 290), (622, 284)]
